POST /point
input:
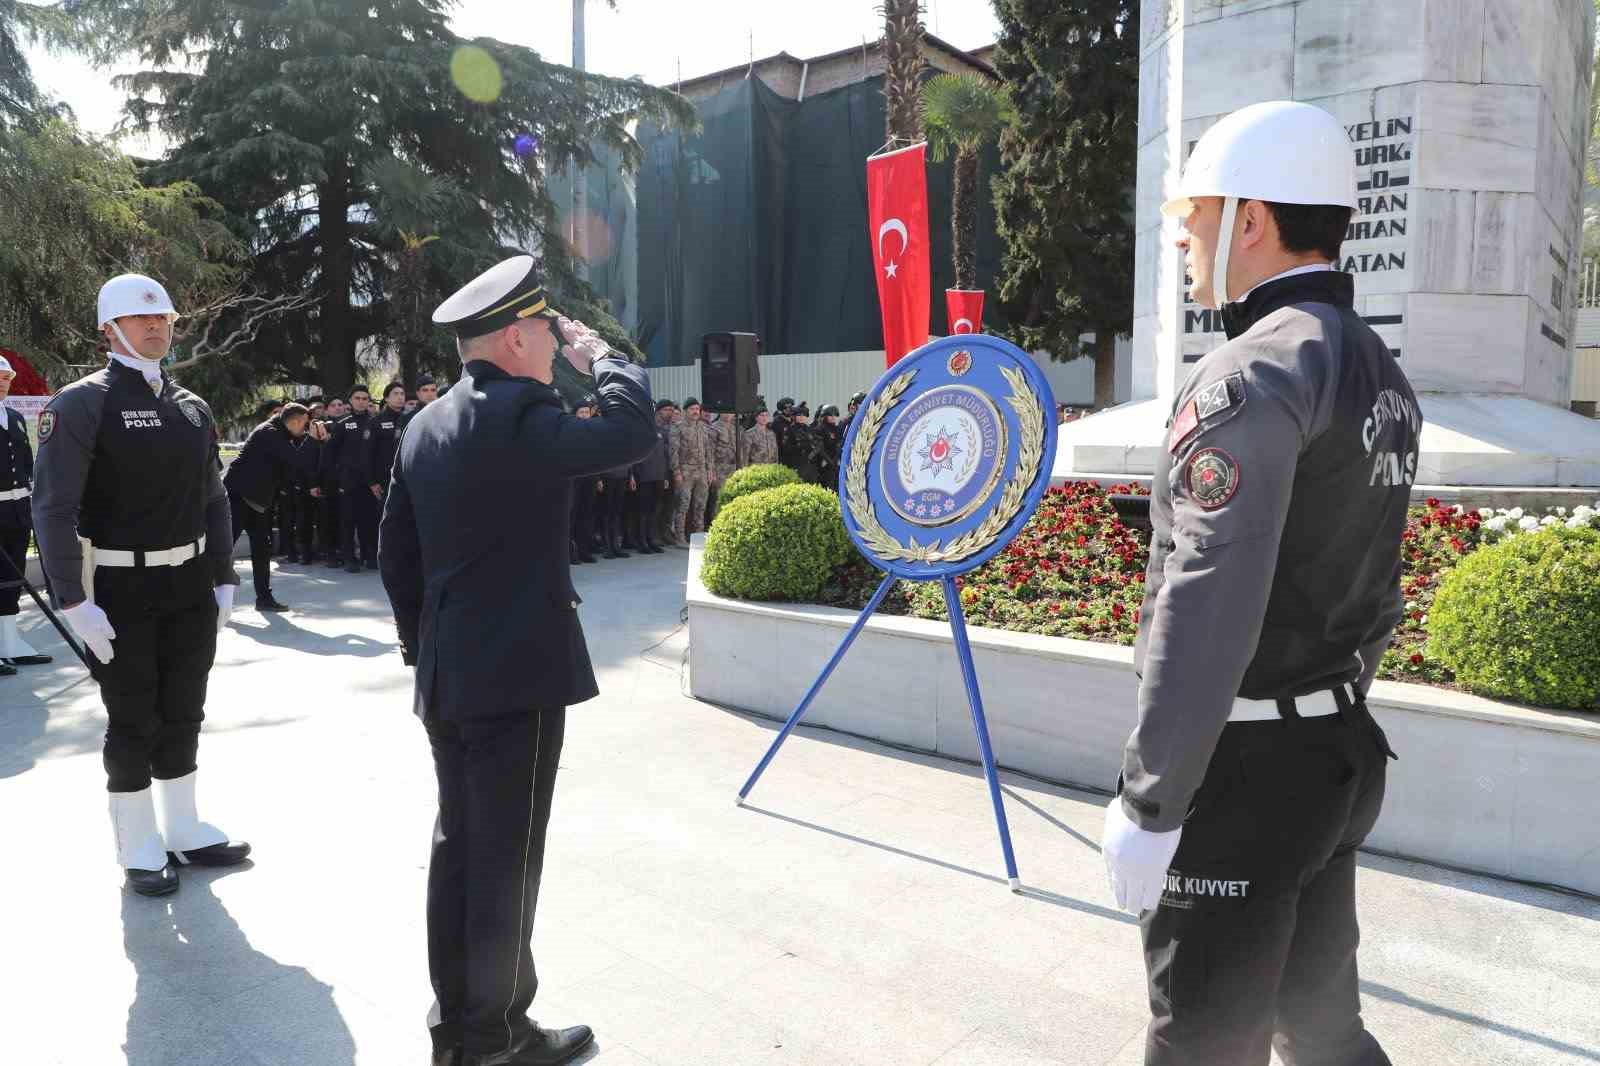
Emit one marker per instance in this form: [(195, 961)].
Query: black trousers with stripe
[(1254, 943), (497, 778), (154, 687), (14, 542)]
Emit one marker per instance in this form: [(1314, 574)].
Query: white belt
[(15, 494), (166, 557), (1315, 705)]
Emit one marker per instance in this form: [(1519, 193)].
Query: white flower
[(1576, 523), (1561, 512), (1547, 520), (1515, 514), (1458, 509), (1528, 522), (1486, 512), (1583, 514), (1497, 524)]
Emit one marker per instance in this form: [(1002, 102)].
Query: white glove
[(93, 628), (224, 604), (1136, 860)]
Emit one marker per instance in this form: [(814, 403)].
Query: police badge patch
[(192, 412), (944, 454), (1212, 477), (47, 425)]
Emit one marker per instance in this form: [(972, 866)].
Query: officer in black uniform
[(781, 422), (798, 448), (830, 444), (128, 461), (1256, 770), (346, 456), (387, 425), (585, 499), (427, 392), (474, 557), (855, 405), (16, 525), (325, 490)]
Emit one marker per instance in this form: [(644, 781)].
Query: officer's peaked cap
[(506, 293)]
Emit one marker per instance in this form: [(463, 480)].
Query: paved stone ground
[(856, 914)]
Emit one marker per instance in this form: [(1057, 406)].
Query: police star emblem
[(940, 452), (1212, 476), (960, 362)]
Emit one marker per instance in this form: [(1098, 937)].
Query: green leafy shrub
[(777, 544), (1520, 620), (754, 479)]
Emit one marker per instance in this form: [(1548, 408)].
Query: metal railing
[(1589, 282)]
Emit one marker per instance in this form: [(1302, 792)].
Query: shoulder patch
[(1210, 407), (1212, 477), (47, 425), (191, 410)]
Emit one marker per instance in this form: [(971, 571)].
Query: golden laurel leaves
[(1030, 419)]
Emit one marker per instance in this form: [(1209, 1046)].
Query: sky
[(655, 39)]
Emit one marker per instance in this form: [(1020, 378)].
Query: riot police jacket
[(128, 469), (1278, 504), (385, 428), (345, 454)]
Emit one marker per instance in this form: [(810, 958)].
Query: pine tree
[(286, 114), (1064, 199)]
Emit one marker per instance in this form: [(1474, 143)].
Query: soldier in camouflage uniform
[(691, 471), (759, 444), (725, 448)]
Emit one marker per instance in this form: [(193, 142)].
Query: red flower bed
[(1076, 571)]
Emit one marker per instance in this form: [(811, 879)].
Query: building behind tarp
[(758, 222)]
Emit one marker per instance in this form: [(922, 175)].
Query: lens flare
[(476, 74), (525, 145)]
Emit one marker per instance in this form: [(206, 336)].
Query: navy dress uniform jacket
[(473, 547)]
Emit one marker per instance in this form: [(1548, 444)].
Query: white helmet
[(1279, 151), (133, 294)]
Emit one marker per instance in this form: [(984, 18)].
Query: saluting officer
[(128, 462), (1279, 500), (474, 548), (16, 524)]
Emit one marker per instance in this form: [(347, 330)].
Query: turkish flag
[(965, 310), (897, 213)]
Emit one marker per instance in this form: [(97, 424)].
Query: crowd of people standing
[(673, 491)]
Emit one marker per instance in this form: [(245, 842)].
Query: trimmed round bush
[(1520, 620), (754, 479), (776, 544)]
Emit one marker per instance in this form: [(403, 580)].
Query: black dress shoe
[(230, 854), (335, 563), (27, 660), (160, 882), (7, 670), (353, 568), (542, 1047), (370, 564), (654, 549), (270, 603), (292, 557)]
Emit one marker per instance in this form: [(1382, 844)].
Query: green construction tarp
[(759, 223)]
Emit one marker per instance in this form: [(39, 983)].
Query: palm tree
[(963, 112), (902, 54)]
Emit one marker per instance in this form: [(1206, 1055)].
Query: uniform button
[(574, 605)]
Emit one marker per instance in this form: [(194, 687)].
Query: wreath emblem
[(1030, 417)]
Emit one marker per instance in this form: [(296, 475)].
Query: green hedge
[(1520, 620), (754, 479), (777, 544)]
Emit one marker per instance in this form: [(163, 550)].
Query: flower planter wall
[(1480, 784)]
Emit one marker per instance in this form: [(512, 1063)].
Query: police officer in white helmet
[(1256, 770), (134, 534), (16, 523)]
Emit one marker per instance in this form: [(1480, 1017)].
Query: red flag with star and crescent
[(897, 213)]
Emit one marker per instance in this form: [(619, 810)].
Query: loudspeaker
[(729, 372)]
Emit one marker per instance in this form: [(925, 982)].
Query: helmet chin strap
[(136, 353), (1219, 265)]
